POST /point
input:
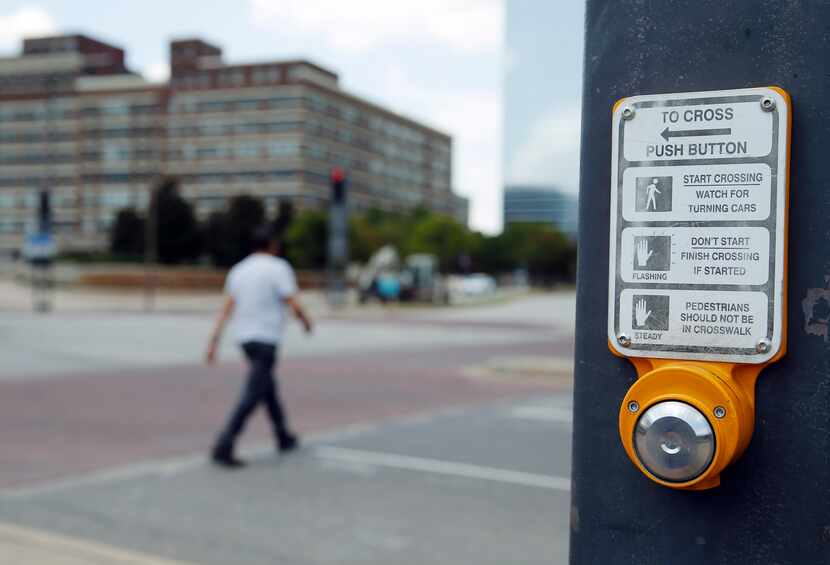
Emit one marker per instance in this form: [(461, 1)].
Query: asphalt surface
[(417, 448)]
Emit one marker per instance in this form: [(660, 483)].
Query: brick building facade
[(76, 122)]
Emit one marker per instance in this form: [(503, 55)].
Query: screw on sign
[(697, 254)]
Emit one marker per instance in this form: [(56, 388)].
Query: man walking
[(258, 290)]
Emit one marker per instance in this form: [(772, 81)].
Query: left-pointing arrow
[(667, 133)]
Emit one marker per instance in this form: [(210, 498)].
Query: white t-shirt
[(259, 285)]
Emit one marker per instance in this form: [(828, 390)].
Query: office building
[(541, 204), (542, 93), (75, 121)]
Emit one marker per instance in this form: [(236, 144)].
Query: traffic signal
[(44, 212), (338, 185)]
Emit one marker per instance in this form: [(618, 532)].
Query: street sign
[(697, 251), (39, 248)]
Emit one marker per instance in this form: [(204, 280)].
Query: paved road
[(422, 442)]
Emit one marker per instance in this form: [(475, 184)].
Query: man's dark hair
[(262, 238)]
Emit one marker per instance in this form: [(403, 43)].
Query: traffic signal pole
[(772, 504), (337, 252)]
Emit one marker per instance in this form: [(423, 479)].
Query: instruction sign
[(698, 216)]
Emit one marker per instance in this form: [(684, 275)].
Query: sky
[(542, 93), (442, 62)]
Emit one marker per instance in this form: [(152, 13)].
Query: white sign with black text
[(698, 216)]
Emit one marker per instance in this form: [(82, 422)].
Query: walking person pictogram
[(653, 194), (651, 202)]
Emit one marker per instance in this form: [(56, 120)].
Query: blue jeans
[(260, 387)]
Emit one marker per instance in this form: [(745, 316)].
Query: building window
[(64, 227), (185, 106), (232, 77), (215, 106), (316, 103), (283, 149), (88, 225), (113, 153), (310, 74), (116, 199), (248, 150), (344, 135), (10, 226), (105, 220), (31, 199), (214, 127), (142, 199), (349, 114), (210, 152), (249, 128), (63, 198), (279, 127), (209, 179), (145, 108), (247, 104), (317, 151), (266, 75), (284, 102), (114, 108)]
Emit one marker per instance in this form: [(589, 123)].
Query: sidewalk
[(16, 297), (36, 547)]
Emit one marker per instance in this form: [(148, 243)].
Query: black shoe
[(226, 459), (287, 442)]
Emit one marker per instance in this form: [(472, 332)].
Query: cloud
[(157, 72), (510, 62), (550, 152), (26, 21), (437, 61), (473, 118), (359, 25)]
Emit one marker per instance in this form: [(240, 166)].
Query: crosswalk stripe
[(466, 470)]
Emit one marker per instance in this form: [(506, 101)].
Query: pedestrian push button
[(697, 272)]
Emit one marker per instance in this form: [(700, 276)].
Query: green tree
[(547, 254), (179, 238), (307, 237), (390, 228), (441, 236), (364, 239), (491, 254), (127, 235), (228, 233)]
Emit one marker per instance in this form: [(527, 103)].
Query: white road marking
[(172, 466), (441, 467), (542, 413), (168, 467), (27, 545)]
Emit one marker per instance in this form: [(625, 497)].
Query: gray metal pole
[(151, 248), (42, 275), (337, 253), (772, 505), (338, 241)]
